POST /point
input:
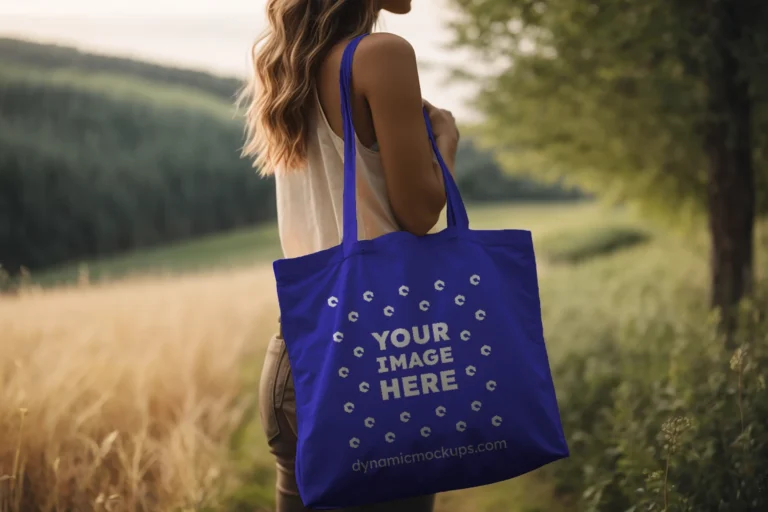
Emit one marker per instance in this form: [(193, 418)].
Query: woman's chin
[(397, 6)]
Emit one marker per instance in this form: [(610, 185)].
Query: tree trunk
[(731, 189)]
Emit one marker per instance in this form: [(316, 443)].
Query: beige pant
[(278, 417)]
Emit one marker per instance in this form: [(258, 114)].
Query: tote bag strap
[(456, 212)]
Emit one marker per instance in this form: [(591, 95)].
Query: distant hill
[(50, 57), (102, 155)]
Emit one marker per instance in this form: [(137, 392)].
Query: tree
[(659, 102)]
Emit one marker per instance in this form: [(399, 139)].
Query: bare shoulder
[(384, 58), (384, 44)]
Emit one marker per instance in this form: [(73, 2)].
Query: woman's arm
[(386, 74)]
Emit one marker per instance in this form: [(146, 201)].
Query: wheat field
[(123, 396)]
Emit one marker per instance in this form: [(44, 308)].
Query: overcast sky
[(213, 35)]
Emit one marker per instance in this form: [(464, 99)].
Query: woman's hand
[(446, 134), (443, 123)]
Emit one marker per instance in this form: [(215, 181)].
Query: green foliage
[(632, 347), (661, 417), (612, 96), (576, 246)]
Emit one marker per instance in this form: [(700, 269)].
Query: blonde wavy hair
[(279, 95)]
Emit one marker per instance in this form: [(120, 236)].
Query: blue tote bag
[(419, 362)]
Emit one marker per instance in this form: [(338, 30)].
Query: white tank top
[(309, 201)]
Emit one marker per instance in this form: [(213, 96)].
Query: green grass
[(579, 245), (540, 218), (262, 245), (234, 249)]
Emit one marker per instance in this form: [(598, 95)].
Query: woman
[(294, 127)]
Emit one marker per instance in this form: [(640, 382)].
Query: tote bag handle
[(456, 212)]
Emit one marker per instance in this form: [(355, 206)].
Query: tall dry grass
[(123, 397)]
